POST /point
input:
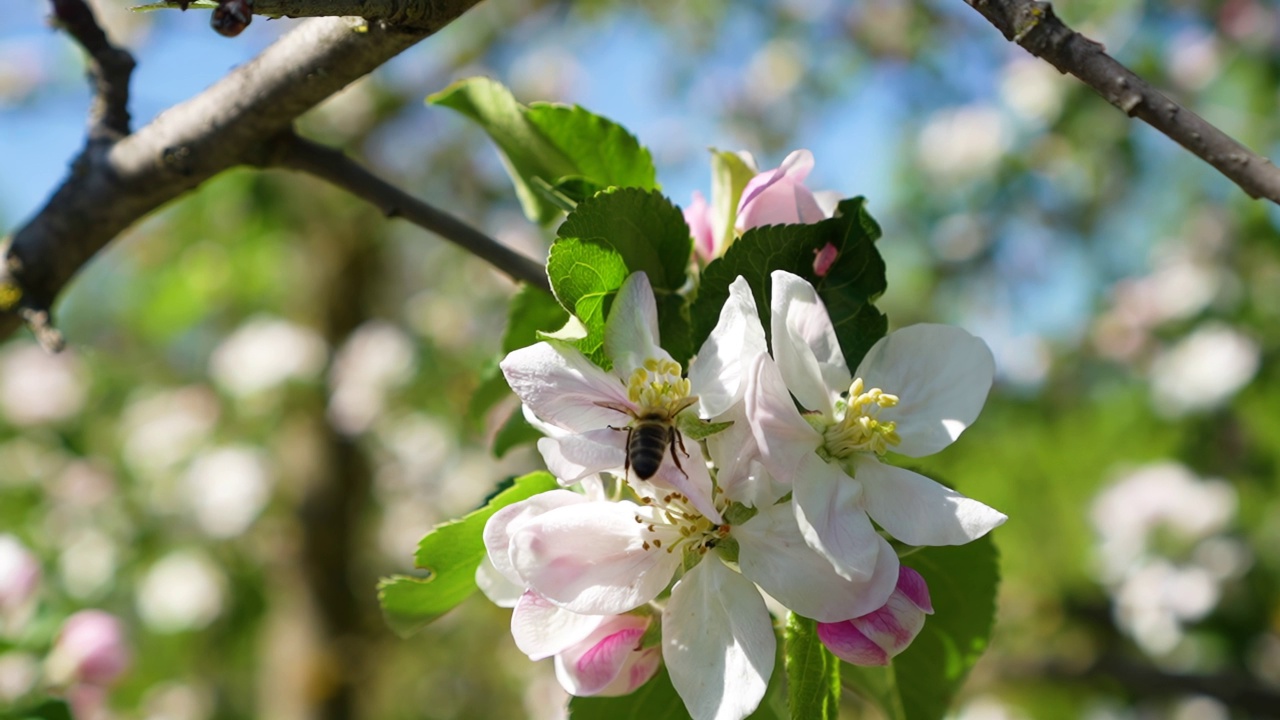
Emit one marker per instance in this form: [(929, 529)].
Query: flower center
[(857, 427), (677, 524), (658, 387)]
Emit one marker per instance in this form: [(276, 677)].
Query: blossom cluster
[(770, 472)]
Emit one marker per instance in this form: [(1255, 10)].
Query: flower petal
[(631, 330), (774, 555), (737, 458), (718, 372), (506, 521), (783, 436), (590, 558), (919, 511), (831, 517), (779, 196), (805, 345), (848, 643), (541, 629), (564, 388), (940, 373), (718, 642), (610, 661), (501, 590), (573, 457)]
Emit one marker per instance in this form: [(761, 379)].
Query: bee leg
[(675, 439), (626, 466)]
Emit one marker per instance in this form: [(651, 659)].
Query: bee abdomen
[(647, 445)]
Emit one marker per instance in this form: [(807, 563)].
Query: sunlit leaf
[(450, 554)]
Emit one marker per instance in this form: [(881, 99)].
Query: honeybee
[(649, 436)]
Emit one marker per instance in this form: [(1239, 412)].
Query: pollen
[(658, 386), (857, 427), (680, 527)]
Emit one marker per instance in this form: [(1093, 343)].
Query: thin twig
[(400, 13), (335, 167), (112, 185), (1035, 27), (109, 69)]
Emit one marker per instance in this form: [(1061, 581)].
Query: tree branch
[(402, 13), (333, 166), (109, 70), (1034, 26), (112, 185)]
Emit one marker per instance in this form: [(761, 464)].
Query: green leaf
[(854, 280), (643, 227), (603, 152), (544, 146), (47, 710), (610, 236), (584, 274), (813, 673), (924, 680), (450, 553)]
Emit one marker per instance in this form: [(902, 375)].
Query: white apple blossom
[(915, 391), (585, 409), (572, 565), (594, 654)]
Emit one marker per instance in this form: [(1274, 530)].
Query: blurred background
[(264, 402)]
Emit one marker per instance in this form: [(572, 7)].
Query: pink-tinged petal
[(506, 521), (574, 457), (718, 372), (941, 374), (542, 629), (805, 345), (501, 590), (919, 511), (848, 643), (631, 331), (774, 555), (890, 628), (590, 558), (564, 388), (784, 439), (691, 479), (776, 196), (718, 642), (828, 505), (698, 217), (594, 665), (913, 587)]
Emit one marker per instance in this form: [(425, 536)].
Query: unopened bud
[(875, 638)]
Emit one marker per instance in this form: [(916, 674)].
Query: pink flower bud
[(778, 196), (698, 217), (90, 649), (610, 661), (19, 582), (823, 259), (874, 638)]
